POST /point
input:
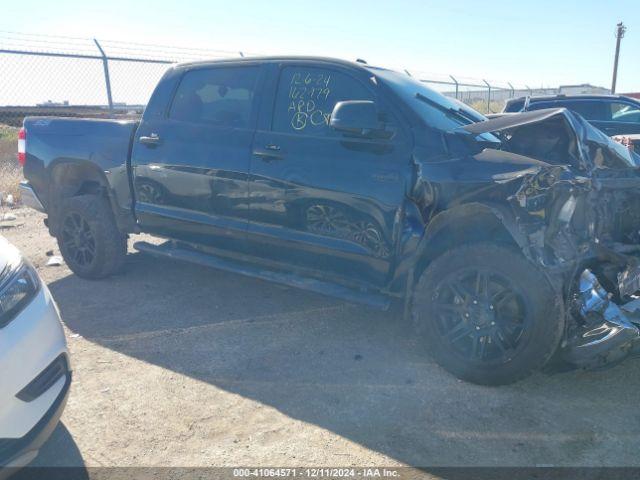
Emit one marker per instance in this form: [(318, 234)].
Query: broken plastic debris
[(54, 261)]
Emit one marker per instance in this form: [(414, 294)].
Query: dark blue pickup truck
[(506, 242), (613, 114)]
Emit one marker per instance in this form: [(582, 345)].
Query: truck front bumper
[(610, 333)]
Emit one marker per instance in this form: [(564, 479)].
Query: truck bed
[(104, 144)]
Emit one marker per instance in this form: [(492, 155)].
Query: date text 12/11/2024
[(349, 472), (307, 93)]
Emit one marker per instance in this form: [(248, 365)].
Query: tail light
[(22, 146)]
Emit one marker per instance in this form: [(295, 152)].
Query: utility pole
[(620, 29)]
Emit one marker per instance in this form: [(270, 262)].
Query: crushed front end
[(580, 216), (603, 332)]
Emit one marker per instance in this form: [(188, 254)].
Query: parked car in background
[(34, 364), (613, 114), (506, 240)]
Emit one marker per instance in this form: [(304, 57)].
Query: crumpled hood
[(518, 165), (588, 138)]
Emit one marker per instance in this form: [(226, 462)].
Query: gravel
[(180, 365)]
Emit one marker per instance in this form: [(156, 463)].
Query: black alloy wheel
[(78, 239)]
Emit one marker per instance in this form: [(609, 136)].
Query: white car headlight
[(17, 291)]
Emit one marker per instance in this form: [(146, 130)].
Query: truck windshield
[(436, 110)]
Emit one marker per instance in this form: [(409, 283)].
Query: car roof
[(561, 96), (360, 64)]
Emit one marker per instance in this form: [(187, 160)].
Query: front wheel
[(486, 314)]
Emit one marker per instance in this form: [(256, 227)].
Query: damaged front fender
[(569, 198), (463, 214)]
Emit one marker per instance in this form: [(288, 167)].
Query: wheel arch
[(72, 179), (466, 224)]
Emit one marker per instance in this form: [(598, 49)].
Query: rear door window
[(306, 96), (624, 112), (220, 96), (590, 110)]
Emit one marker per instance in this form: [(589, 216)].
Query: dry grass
[(10, 171), (481, 106)]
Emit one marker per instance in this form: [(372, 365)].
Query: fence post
[(456, 82), (488, 96), (107, 80), (513, 90)]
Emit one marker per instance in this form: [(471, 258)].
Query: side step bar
[(374, 300)]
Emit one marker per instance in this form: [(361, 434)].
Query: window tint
[(585, 108), (306, 97), (543, 105), (623, 112), (217, 96), (589, 110)]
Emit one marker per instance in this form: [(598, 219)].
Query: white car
[(34, 365)]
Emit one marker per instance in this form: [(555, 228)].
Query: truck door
[(320, 200), (190, 164)]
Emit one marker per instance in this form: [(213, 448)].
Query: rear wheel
[(486, 314), (89, 240)]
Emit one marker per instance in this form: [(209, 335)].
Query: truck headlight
[(17, 291)]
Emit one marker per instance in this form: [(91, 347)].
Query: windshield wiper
[(457, 113)]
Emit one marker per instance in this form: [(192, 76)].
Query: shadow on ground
[(50, 459), (350, 370)]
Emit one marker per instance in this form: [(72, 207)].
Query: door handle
[(152, 139), (269, 153)]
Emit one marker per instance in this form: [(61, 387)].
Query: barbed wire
[(35, 42), (40, 43)]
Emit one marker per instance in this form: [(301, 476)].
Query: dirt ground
[(10, 170), (180, 365)]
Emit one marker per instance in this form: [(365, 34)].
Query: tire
[(512, 329), (89, 240)]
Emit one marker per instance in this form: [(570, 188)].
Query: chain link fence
[(67, 76), (73, 77)]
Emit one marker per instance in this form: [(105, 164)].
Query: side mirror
[(356, 117)]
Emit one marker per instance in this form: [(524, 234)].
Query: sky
[(541, 43)]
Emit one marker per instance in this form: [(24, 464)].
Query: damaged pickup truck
[(509, 242)]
